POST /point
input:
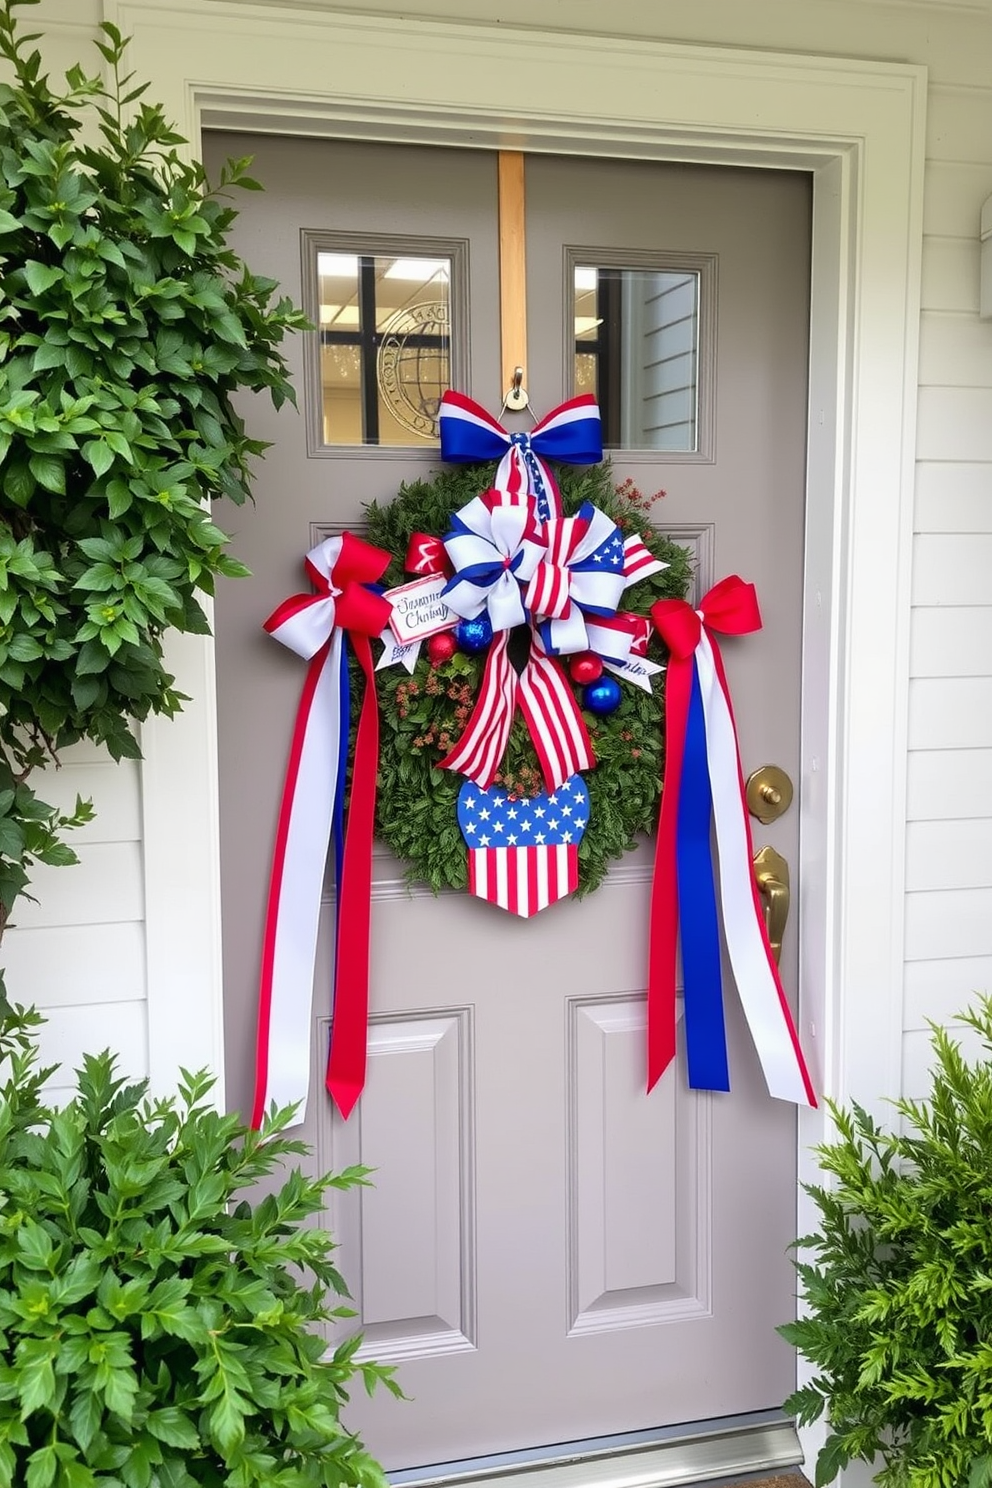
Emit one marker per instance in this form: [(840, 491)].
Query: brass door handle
[(771, 873)]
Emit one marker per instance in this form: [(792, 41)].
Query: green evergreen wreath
[(423, 715)]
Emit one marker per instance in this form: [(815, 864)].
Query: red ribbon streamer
[(346, 1063), (362, 613), (730, 608)]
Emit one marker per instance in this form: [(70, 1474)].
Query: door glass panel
[(637, 350), (385, 346)]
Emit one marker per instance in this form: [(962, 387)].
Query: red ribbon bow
[(339, 568), (729, 608)]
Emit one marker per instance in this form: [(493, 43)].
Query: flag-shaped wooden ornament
[(523, 851)]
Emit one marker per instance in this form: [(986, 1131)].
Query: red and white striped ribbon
[(638, 562), (548, 704)]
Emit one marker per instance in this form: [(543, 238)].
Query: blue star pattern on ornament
[(523, 851)]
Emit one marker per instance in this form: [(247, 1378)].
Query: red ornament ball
[(441, 648), (585, 667)]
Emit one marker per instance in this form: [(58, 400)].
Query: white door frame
[(859, 127)]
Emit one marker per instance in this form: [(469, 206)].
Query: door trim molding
[(859, 128)]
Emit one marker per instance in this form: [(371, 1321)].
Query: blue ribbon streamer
[(705, 1033)]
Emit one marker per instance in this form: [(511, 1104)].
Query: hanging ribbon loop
[(571, 433), (702, 762), (314, 627)]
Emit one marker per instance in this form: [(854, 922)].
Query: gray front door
[(547, 1254)]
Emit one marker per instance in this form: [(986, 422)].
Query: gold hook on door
[(771, 873), (516, 397)]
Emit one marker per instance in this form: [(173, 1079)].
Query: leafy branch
[(898, 1283), (127, 325)]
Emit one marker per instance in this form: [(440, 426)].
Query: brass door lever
[(771, 873)]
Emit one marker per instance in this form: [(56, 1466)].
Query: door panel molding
[(423, 1294), (858, 126), (620, 1275)]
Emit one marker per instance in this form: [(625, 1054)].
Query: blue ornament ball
[(475, 635), (602, 697)]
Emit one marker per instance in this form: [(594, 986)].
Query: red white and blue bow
[(704, 787), (571, 433), (312, 811), (494, 546), (581, 575)]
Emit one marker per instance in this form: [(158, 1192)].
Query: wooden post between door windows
[(512, 266)]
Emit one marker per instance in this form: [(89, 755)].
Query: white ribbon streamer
[(298, 872), (756, 983)]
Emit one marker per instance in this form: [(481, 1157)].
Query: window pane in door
[(385, 346), (637, 349)]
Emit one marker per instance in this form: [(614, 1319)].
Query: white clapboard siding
[(954, 497), (951, 568), (954, 349), (949, 794), (78, 953), (949, 854), (954, 641), (104, 889), (950, 713), (949, 784), (948, 922), (115, 791), (120, 1027), (953, 189), (959, 124), (68, 965), (955, 424), (950, 275), (938, 990)]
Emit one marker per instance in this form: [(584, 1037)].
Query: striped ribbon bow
[(570, 433), (703, 785), (582, 575), (311, 813), (494, 547)]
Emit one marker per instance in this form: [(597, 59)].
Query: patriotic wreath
[(524, 748), (424, 712)]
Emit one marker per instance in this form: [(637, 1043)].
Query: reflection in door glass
[(637, 351), (385, 346)]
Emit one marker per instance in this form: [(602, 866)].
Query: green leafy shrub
[(126, 326), (899, 1293), (155, 1332)]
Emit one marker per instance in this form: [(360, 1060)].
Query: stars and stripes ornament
[(523, 852)]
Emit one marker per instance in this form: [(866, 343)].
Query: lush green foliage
[(899, 1290), (126, 324), (423, 715), (155, 1332)]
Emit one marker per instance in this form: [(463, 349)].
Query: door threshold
[(727, 1447)]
